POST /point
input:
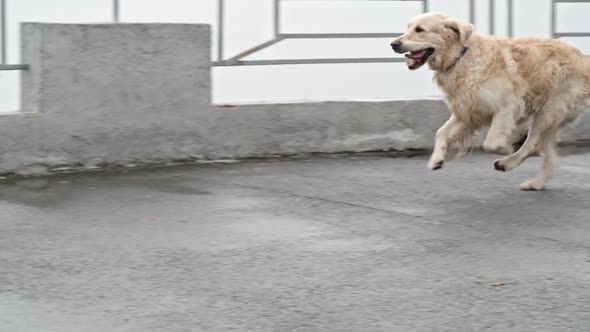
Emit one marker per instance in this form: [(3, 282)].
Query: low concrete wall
[(119, 94)]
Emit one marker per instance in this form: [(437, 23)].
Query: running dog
[(510, 86)]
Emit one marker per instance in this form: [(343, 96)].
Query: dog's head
[(431, 38)]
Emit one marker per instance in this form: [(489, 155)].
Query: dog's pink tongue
[(415, 55), (412, 63)]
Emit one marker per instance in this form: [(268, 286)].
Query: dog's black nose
[(396, 45)]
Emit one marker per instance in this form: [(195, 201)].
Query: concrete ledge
[(264, 130), (118, 94)]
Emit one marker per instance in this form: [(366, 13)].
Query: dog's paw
[(498, 166), (505, 164), (532, 185), (434, 165)]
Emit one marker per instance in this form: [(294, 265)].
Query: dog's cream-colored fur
[(510, 86)]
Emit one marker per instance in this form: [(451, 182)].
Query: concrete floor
[(346, 243)]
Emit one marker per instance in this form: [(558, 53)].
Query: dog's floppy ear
[(461, 28)]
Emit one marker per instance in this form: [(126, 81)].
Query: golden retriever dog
[(508, 86)]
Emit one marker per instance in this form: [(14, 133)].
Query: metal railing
[(4, 66), (3, 34), (279, 35), (237, 60), (554, 12)]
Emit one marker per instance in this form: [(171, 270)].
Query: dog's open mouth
[(417, 59)]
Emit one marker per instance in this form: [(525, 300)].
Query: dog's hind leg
[(543, 129), (549, 160)]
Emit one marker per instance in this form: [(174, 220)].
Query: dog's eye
[(419, 29)]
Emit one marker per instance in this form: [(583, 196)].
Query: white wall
[(249, 22)]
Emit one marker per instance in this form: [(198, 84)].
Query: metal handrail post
[(472, 11), (116, 11), (553, 18), (492, 17), (220, 30), (3, 35), (510, 18)]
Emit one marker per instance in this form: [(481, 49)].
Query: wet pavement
[(341, 243)]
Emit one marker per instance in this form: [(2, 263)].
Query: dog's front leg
[(498, 139), (445, 135)]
